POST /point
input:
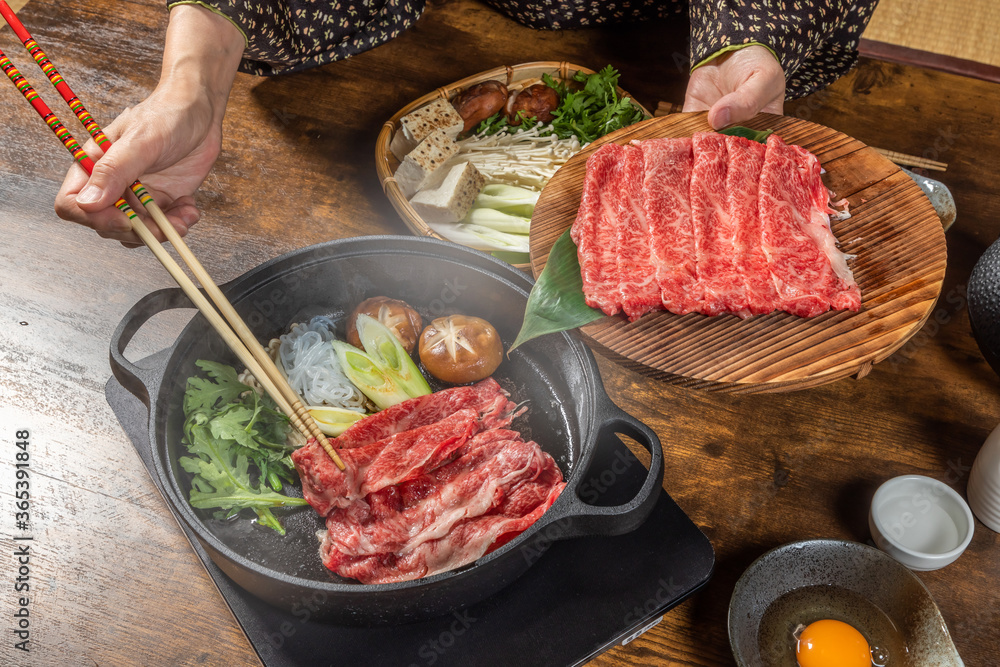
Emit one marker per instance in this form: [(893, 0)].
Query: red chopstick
[(55, 124), (50, 71), (65, 91), (236, 333)]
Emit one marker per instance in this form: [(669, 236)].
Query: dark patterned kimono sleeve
[(565, 14), (291, 35), (816, 41)]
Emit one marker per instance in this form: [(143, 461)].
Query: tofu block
[(453, 199), (420, 164), (417, 125)]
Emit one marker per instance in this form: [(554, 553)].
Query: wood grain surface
[(113, 580), (899, 263)]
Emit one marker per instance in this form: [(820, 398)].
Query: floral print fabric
[(292, 35), (815, 41), (562, 14)]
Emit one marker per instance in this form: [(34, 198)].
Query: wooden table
[(113, 580)]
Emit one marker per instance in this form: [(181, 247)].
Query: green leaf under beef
[(556, 302), (760, 136)]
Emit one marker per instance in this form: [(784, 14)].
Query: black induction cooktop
[(582, 596)]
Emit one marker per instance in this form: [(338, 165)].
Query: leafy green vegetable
[(588, 113), (204, 394), (760, 136), (222, 481), (596, 110), (499, 121), (556, 301), (228, 428), (562, 90), (493, 124)]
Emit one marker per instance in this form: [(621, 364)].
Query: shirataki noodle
[(311, 365)]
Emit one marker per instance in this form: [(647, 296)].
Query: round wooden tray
[(522, 75), (900, 263)]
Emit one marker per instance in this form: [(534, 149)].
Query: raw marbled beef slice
[(715, 234), (639, 292), (593, 231), (746, 159), (666, 202), (796, 233)]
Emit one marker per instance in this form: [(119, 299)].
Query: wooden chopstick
[(905, 160), (664, 108), (238, 338)]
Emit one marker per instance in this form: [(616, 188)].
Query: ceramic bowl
[(921, 522), (984, 483), (802, 582)]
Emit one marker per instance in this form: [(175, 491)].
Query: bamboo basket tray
[(521, 76), (899, 264)]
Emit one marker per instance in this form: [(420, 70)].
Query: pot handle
[(135, 379), (579, 518)]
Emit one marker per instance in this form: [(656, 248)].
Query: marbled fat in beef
[(667, 203), (722, 286), (594, 230), (730, 226), (638, 291), (429, 485), (746, 159), (797, 239)]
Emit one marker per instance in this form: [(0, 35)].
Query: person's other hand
[(736, 86), (170, 140)]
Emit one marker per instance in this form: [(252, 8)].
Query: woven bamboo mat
[(965, 29)]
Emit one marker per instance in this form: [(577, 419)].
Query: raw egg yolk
[(830, 643)]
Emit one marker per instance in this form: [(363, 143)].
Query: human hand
[(736, 86), (170, 140), (170, 143)]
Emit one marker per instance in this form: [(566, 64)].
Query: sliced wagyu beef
[(712, 224), (810, 274), (429, 485)]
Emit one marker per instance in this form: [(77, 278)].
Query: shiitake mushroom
[(459, 349), (396, 315), (537, 101), (477, 103)]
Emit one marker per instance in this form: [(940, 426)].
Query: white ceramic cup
[(984, 482), (921, 522)]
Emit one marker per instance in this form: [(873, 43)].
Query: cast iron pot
[(569, 415)]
